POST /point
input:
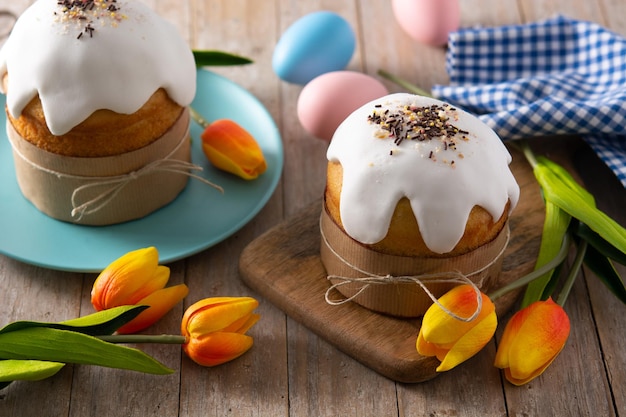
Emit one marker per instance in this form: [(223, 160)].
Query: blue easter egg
[(315, 44)]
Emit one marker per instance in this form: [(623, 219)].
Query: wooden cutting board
[(284, 266)]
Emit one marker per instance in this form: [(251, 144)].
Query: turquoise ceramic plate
[(199, 218)]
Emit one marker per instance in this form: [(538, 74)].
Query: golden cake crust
[(104, 133), (403, 237)]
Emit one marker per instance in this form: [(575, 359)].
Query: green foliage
[(101, 323), (31, 350), (27, 370), (218, 58), (555, 227), (48, 344), (572, 209)]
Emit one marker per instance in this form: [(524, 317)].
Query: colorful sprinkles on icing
[(87, 12), (420, 123)]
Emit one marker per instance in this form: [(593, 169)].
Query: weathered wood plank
[(241, 387), (610, 197), (304, 154), (32, 293), (608, 311), (90, 397), (322, 380)]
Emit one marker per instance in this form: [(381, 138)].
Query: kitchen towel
[(555, 77)]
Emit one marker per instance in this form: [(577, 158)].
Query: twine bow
[(116, 184), (442, 277), (113, 185), (368, 279)]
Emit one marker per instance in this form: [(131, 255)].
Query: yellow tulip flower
[(532, 339), (136, 278), (451, 340), (215, 329), (231, 148)]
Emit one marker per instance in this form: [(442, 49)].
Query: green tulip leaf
[(555, 227), (552, 284), (27, 370), (104, 322), (560, 194), (604, 269), (604, 247), (47, 344), (101, 323), (563, 175), (218, 58)]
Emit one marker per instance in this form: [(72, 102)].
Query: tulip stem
[(144, 338), (573, 273), (403, 83), (526, 279), (528, 153), (198, 118)]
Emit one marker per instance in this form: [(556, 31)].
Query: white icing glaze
[(129, 55), (442, 181)]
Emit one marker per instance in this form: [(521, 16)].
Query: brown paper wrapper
[(401, 299), (50, 180)]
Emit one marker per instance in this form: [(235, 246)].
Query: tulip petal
[(450, 339), (128, 279), (217, 348), (521, 381), (470, 343), (158, 280), (425, 348), (214, 314), (441, 328), (246, 168), (243, 324), (160, 303), (507, 340)]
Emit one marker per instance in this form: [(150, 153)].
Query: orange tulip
[(532, 339), (136, 278), (215, 329), (229, 147), (451, 340)]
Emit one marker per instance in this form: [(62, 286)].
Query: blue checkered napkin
[(559, 76)]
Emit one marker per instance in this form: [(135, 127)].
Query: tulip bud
[(136, 278), (532, 339), (451, 340), (231, 148), (215, 329)]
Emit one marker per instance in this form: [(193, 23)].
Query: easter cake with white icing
[(97, 90), (415, 188)]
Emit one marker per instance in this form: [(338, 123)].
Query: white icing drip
[(118, 68), (442, 192)]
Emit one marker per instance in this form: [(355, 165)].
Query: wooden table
[(290, 370)]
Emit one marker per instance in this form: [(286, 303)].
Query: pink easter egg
[(328, 99), (427, 21)]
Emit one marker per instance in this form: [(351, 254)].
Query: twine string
[(113, 185), (368, 279)]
